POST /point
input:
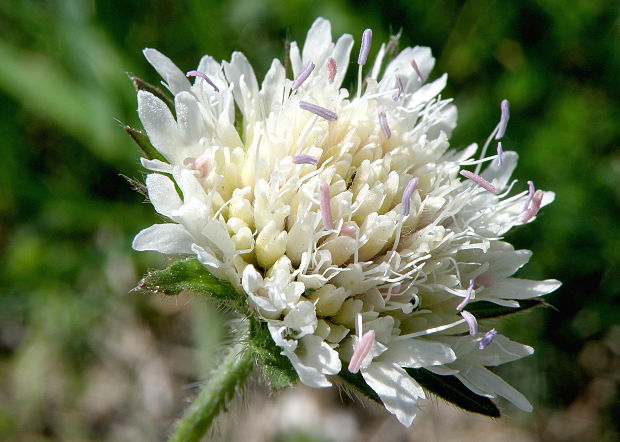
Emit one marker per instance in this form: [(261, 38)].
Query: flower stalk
[(221, 387)]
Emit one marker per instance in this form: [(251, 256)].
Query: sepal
[(190, 275), (276, 367)]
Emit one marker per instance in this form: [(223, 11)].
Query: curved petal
[(172, 75), (397, 390), (160, 125), (515, 288), (170, 239), (162, 194), (417, 353), (189, 118), (318, 42), (490, 384)]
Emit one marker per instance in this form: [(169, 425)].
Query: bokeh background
[(81, 359)]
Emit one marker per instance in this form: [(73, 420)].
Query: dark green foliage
[(453, 391), (488, 310)]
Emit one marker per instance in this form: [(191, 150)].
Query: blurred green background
[(81, 359)]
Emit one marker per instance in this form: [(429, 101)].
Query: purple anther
[(318, 110), (204, 77), (303, 75), (305, 159), (189, 161), (470, 292), (416, 68), (326, 210), (385, 128), (500, 154), (399, 89), (534, 207), (361, 351), (479, 180), (348, 229), (471, 322), (530, 185), (332, 68), (487, 339), (406, 199), (365, 47), (503, 120)]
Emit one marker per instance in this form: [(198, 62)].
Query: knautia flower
[(366, 245)]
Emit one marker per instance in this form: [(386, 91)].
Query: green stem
[(225, 380)]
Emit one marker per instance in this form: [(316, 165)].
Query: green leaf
[(142, 85), (143, 142), (487, 310), (190, 275), (357, 381), (276, 367), (453, 391)]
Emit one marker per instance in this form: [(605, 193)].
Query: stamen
[(348, 229), (204, 76), (361, 351), (530, 184), (318, 110), (399, 89), (503, 120), (303, 75), (487, 339), (479, 180), (305, 159), (365, 47), (332, 69), (189, 161), (415, 67), (500, 154), (384, 124), (534, 207), (406, 199), (326, 210), (470, 291), (471, 322)]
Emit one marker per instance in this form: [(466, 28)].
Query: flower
[(335, 213)]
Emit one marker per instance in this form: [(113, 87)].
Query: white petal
[(342, 53), (491, 384), (164, 238), (156, 165), (237, 70), (418, 353), (171, 74), (514, 288), (501, 351), (397, 390), (500, 175), (162, 194), (272, 87), (189, 118), (302, 318), (318, 42), (160, 125)]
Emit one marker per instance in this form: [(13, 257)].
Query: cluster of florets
[(355, 232)]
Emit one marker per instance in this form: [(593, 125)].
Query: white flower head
[(334, 211)]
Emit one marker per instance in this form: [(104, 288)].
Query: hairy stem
[(221, 387)]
